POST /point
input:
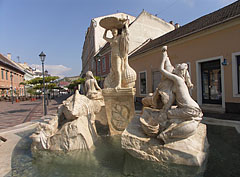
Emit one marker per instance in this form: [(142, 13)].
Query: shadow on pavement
[(16, 111)]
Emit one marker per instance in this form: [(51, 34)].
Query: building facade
[(210, 47), (10, 77)]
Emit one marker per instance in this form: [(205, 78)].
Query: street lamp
[(11, 76), (42, 57)]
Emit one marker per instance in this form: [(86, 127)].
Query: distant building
[(66, 81), (38, 73), (210, 47), (10, 77), (29, 74)]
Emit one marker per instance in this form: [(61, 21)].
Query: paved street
[(17, 113)]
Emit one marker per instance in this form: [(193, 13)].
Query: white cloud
[(54, 70)]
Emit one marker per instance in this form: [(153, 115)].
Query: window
[(103, 64), (6, 75), (143, 83), (156, 77), (2, 73), (238, 72)]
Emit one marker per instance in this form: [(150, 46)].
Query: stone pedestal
[(191, 151), (120, 108)]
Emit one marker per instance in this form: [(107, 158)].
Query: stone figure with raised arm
[(172, 122), (93, 91), (121, 74), (186, 116), (162, 97), (171, 132)]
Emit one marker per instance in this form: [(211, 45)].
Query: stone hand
[(164, 48)]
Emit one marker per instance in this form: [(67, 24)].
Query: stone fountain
[(164, 132)]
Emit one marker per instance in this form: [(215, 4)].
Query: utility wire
[(172, 4)]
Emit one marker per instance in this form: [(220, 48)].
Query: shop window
[(143, 83)]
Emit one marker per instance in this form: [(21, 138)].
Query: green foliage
[(75, 83), (71, 86), (23, 83), (51, 78), (98, 78), (39, 80), (51, 86), (31, 91), (37, 84)]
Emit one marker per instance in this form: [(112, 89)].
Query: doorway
[(211, 82)]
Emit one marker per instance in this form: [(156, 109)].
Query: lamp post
[(11, 76), (42, 57)]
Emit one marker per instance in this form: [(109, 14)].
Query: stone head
[(89, 75), (114, 32), (181, 69)]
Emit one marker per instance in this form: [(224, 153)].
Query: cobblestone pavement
[(17, 113)]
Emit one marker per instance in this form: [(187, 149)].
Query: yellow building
[(210, 46)]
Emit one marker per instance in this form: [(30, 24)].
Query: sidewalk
[(222, 116), (25, 111)]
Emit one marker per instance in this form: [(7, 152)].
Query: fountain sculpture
[(74, 126), (163, 133), (118, 89)]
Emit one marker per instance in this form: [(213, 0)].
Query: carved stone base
[(191, 151), (119, 108)]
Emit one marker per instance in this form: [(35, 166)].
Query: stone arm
[(126, 23), (188, 80), (105, 36), (164, 72), (96, 85)]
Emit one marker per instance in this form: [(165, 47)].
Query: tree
[(37, 84)]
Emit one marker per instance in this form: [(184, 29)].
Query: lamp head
[(42, 56)]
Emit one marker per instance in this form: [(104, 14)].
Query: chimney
[(171, 22), (9, 56), (177, 26)]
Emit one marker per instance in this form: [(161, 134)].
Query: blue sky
[(58, 27)]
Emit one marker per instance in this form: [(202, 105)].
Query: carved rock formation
[(191, 151)]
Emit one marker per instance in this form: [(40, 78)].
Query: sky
[(58, 27)]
